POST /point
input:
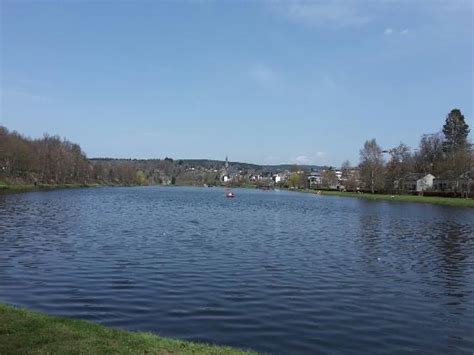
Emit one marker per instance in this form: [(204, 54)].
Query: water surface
[(275, 271)]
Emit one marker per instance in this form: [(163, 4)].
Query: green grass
[(446, 201), (27, 332), (7, 189)]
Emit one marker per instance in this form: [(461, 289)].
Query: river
[(273, 271)]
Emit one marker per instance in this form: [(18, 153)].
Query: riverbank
[(23, 331), (11, 189), (445, 201)]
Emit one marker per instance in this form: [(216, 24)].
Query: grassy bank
[(7, 189), (23, 331), (446, 201)]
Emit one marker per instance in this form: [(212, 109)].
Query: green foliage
[(140, 177), (294, 180)]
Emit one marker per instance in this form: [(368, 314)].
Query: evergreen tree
[(455, 131)]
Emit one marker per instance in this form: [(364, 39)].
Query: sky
[(265, 82)]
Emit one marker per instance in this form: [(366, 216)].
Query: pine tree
[(455, 131)]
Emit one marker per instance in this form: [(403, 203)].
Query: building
[(448, 182), (445, 182), (315, 179), (415, 182), (466, 182), (225, 175), (425, 183), (228, 173)]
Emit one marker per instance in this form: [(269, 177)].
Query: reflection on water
[(274, 271)]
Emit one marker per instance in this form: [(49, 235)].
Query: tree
[(372, 165), (430, 156), (345, 169), (294, 180), (352, 182), (400, 164), (303, 181), (329, 178), (349, 176), (456, 147), (140, 177), (455, 131)]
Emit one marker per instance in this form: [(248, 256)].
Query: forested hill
[(52, 160), (218, 164)]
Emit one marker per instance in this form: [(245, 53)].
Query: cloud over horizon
[(332, 14)]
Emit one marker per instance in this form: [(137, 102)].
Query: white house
[(425, 183), (315, 179)]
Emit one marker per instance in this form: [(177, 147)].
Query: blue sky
[(265, 82)]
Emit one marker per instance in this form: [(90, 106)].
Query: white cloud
[(333, 14), (301, 159), (388, 31), (313, 159), (404, 32)]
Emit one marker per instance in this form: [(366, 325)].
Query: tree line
[(52, 160), (55, 161), (448, 155)]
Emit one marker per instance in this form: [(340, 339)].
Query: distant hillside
[(291, 166), (217, 164)]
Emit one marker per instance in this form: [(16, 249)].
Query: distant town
[(441, 165)]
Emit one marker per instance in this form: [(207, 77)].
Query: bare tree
[(430, 155), (372, 165), (400, 164), (345, 169), (329, 178)]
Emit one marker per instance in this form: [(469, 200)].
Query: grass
[(7, 189), (26, 332), (446, 201)]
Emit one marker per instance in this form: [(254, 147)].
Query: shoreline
[(23, 188), (25, 331), (12, 189), (433, 200)]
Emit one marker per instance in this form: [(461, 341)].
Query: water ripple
[(274, 271)]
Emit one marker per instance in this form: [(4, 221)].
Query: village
[(328, 178)]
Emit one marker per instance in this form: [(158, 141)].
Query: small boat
[(229, 195)]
